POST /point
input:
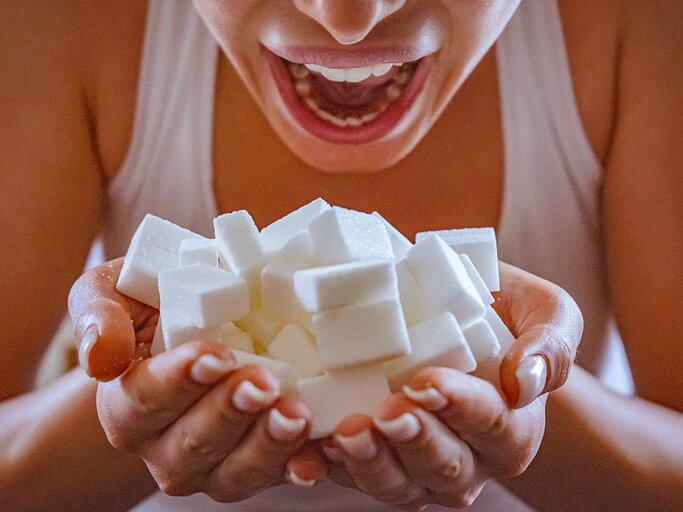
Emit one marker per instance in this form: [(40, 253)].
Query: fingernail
[(284, 429), (87, 343), (333, 453), (531, 376), (401, 429), (209, 369), (296, 480), (361, 447), (250, 399), (428, 397)]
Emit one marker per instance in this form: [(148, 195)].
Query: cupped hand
[(200, 423), (447, 433)]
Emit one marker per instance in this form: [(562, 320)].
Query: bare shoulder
[(94, 45), (642, 190), (50, 163)]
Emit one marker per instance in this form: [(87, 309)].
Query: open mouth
[(352, 104)]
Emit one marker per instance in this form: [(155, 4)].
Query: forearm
[(603, 452), (54, 454)]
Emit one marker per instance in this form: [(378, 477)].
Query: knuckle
[(449, 470), (174, 485), (121, 440), (444, 474), (459, 500), (512, 468)]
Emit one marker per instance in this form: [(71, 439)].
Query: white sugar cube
[(277, 277), (478, 282), (505, 337), (235, 338), (338, 394), (193, 250), (346, 284), (482, 340), (262, 326), (416, 307), (238, 243), (153, 249), (438, 341), (399, 243), (282, 371), (296, 346), (202, 295), (175, 334), (443, 277), (361, 334), (277, 234), (480, 245), (341, 235)]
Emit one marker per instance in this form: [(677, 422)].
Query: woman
[(544, 140)]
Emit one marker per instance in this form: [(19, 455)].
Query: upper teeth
[(352, 74)]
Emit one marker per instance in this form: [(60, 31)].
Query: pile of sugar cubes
[(338, 304)]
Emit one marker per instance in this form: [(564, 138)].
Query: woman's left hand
[(440, 440)]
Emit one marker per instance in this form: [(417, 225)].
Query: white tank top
[(550, 215)]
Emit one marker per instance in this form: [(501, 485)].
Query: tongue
[(347, 94)]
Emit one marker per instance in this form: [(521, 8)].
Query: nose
[(348, 21)]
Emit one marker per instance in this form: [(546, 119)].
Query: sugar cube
[(277, 234), (341, 235), (478, 282), (296, 346), (346, 284), (443, 277), (238, 243), (175, 333), (280, 370), (277, 277), (438, 341), (235, 338), (193, 250), (416, 307), (505, 337), (338, 394), (399, 243), (361, 334), (202, 295), (480, 245), (262, 326), (482, 340), (153, 249)]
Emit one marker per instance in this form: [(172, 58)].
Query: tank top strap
[(169, 156)]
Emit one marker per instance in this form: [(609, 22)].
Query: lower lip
[(368, 132)]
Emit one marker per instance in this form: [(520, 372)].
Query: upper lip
[(347, 58)]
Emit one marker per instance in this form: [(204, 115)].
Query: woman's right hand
[(199, 423)]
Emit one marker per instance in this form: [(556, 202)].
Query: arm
[(602, 451), (50, 199)]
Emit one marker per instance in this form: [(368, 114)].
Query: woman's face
[(354, 85)]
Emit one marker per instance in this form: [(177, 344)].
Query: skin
[(69, 69)]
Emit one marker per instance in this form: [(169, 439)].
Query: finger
[(154, 393), (205, 434), (373, 467), (549, 326), (307, 467), (261, 458), (431, 454), (505, 439), (108, 325)]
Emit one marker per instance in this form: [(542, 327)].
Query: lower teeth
[(302, 86)]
